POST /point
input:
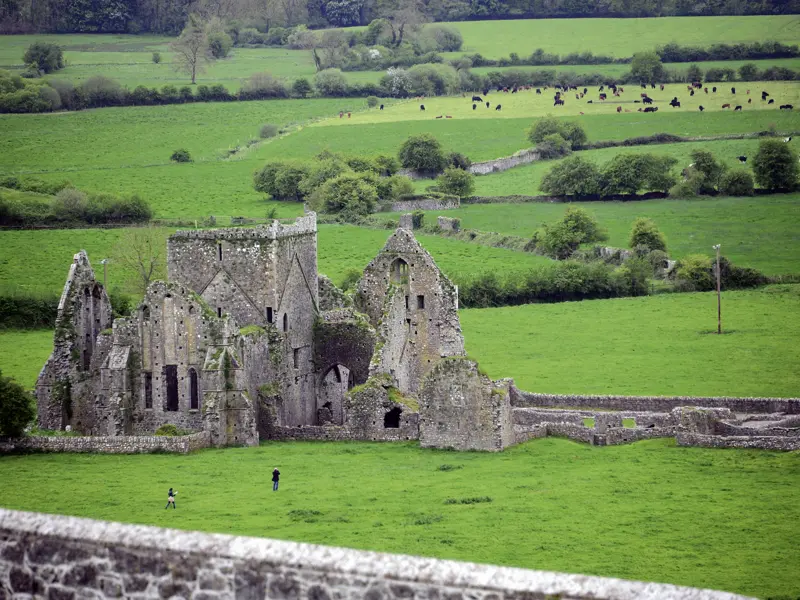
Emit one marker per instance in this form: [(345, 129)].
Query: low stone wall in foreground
[(129, 444), (51, 556)]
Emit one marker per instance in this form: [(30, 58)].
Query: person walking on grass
[(170, 499), (276, 475)]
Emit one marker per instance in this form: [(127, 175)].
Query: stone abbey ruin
[(246, 341)]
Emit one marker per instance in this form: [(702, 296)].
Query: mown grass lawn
[(655, 345), (724, 519)]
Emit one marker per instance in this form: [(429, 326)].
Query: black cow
[(714, 89), (771, 101), (644, 86), (485, 92), (647, 100), (651, 109), (674, 103), (764, 95), (589, 102), (786, 106), (701, 108), (558, 102), (691, 93), (499, 106), (422, 107), (602, 87), (742, 159), (477, 99), (538, 91), (602, 96), (733, 91), (381, 106), (487, 104), (474, 106), (739, 107), (585, 91)]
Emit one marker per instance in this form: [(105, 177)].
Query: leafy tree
[(288, 180), (561, 239), (422, 153), (350, 195), (737, 182), (709, 169), (302, 87), (330, 82), (447, 37), (572, 176), (775, 165), (139, 255), (573, 133), (569, 130), (748, 72), (191, 48), (646, 67), (344, 13), (553, 146), (457, 182), (694, 73), (387, 165), (219, 44), (372, 101), (401, 16), (44, 57), (156, 57), (459, 161), (645, 233), (392, 188), (694, 272), (16, 407), (629, 173), (268, 130)]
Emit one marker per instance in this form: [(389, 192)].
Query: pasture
[(655, 345), (622, 511)]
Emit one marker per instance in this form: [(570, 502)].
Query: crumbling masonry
[(246, 341)]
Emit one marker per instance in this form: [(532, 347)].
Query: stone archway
[(333, 386)]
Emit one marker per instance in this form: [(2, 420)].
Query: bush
[(44, 57), (181, 155), (393, 188), (646, 67), (570, 131), (350, 195), (372, 101), (561, 239), (320, 172), (457, 182), (387, 165), (262, 85), (459, 161), (268, 130), (629, 173), (102, 91), (573, 176), (709, 169), (16, 408), (775, 165), (432, 80), (738, 182), (70, 204), (694, 273), (553, 146), (446, 37), (168, 429), (360, 164), (645, 233), (219, 44), (288, 180), (422, 153), (156, 57), (330, 82), (302, 87), (733, 277)]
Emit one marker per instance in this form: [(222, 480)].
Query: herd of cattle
[(616, 91)]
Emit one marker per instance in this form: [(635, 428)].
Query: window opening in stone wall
[(219, 312), (194, 398), (285, 321), (87, 352), (296, 358), (269, 314), (171, 377), (148, 390), (406, 302), (420, 302), (391, 420), (399, 271), (145, 313), (219, 251)]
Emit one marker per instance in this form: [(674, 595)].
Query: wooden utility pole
[(719, 294)]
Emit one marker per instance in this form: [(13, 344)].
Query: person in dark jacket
[(170, 498), (276, 475)]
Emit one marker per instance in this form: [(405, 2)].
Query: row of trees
[(169, 16)]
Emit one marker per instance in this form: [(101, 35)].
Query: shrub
[(70, 205), (568, 130), (574, 134), (16, 407), (645, 233), (219, 44), (351, 278), (646, 67), (553, 146), (359, 164), (44, 57), (432, 80), (268, 130), (446, 37), (66, 92), (372, 101), (748, 72), (167, 429), (694, 272), (459, 161), (50, 96), (709, 169), (156, 57), (320, 172), (457, 182), (288, 180), (738, 182), (628, 173), (181, 155), (561, 239), (330, 82), (733, 277), (573, 176), (302, 87), (393, 188), (262, 85), (102, 91), (350, 195), (387, 165), (417, 219), (422, 153), (775, 165)]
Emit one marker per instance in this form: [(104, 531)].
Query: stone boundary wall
[(521, 198), (127, 444), (523, 157), (337, 433), (448, 224), (272, 231), (54, 556), (755, 442), (522, 399), (424, 204)]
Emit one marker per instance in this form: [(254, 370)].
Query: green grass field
[(23, 354), (650, 511), (657, 345), (758, 232)]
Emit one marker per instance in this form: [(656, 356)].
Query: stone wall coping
[(275, 230), (122, 444), (391, 567)]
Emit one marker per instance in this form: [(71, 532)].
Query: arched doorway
[(398, 272), (330, 395)]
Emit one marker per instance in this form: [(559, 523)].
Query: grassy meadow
[(623, 511), (655, 345), (23, 354)]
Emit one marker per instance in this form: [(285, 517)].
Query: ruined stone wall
[(522, 157), (449, 224), (51, 556), (462, 409), (685, 438), (424, 204), (520, 398), (107, 444)]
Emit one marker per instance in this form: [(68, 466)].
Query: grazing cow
[(749, 100), (688, 88), (603, 96), (585, 90), (738, 107), (487, 104), (733, 91), (787, 106), (486, 92), (726, 106), (381, 106), (619, 109), (764, 95), (702, 108), (643, 95), (771, 101), (691, 93), (588, 102), (788, 139), (742, 159), (662, 87), (748, 92), (705, 89), (558, 102), (651, 109), (440, 116), (638, 110), (538, 91), (653, 86), (714, 89), (674, 102), (474, 106), (448, 117), (577, 96), (644, 87), (602, 87), (499, 106), (647, 100), (422, 107), (477, 99)]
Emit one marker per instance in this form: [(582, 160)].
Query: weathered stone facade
[(50, 556)]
